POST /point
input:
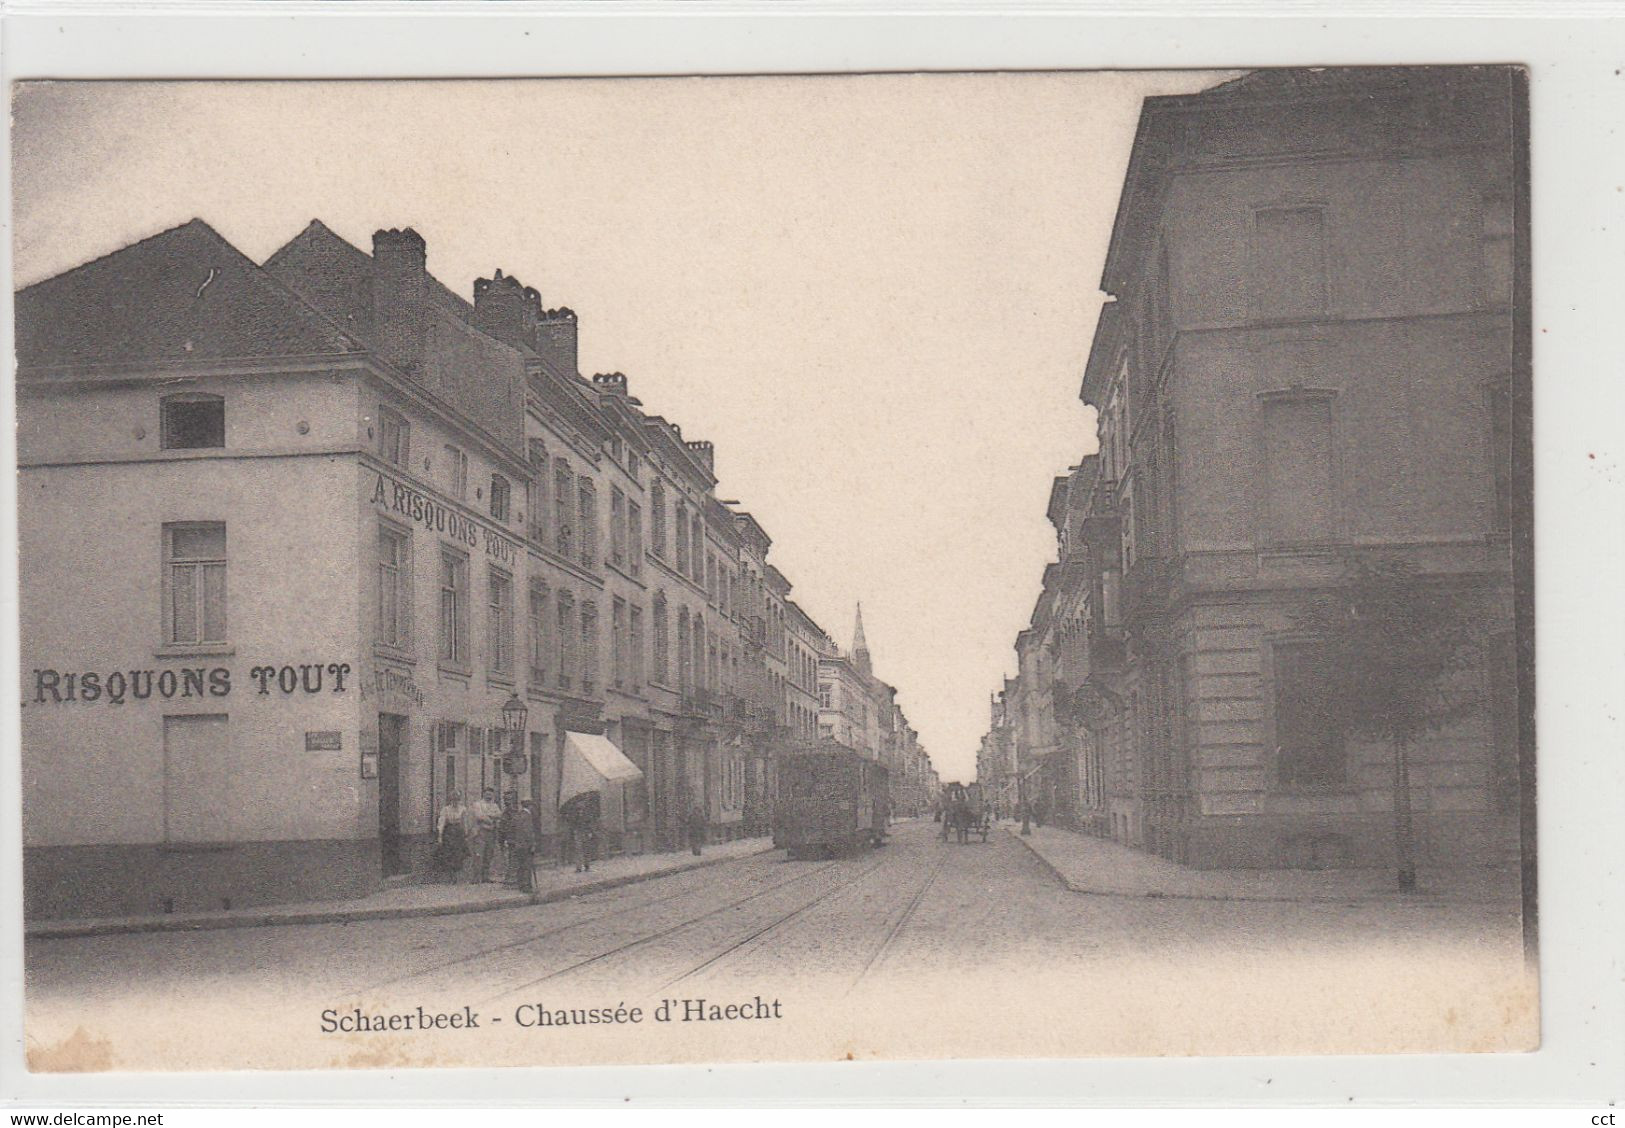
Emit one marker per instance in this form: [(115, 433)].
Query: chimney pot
[(399, 295)]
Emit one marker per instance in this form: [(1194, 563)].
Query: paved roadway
[(981, 935)]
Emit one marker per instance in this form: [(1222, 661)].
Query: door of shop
[(391, 735)]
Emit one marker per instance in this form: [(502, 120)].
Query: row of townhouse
[(860, 711), (308, 546), (1309, 358)]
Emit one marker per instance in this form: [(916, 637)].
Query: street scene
[(842, 619), (922, 926)]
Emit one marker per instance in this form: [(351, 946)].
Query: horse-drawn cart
[(964, 813)]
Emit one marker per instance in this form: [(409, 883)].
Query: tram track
[(740, 945), (896, 927), (586, 922), (663, 933)]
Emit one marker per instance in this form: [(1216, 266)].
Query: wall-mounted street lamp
[(513, 719)]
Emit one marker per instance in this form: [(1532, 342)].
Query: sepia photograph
[(795, 568)]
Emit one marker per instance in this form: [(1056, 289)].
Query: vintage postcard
[(561, 572)]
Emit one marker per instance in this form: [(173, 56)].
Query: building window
[(536, 492), (394, 438), (617, 641), (499, 620), (1300, 502), (1111, 604), (682, 538), (192, 422), (685, 659), (662, 654), (635, 644), (195, 583), (696, 548), (535, 510), (456, 472), (589, 647), (501, 497), (826, 695), (1309, 744), (453, 607), (538, 634), (394, 587), (633, 466), (587, 504), (1289, 262), (566, 608), (634, 536), (1126, 529), (617, 527), (657, 518), (563, 491)]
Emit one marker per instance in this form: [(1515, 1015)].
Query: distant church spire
[(860, 646)]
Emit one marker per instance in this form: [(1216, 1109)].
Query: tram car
[(830, 800)]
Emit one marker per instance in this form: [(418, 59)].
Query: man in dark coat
[(696, 829), (581, 826), (523, 835)]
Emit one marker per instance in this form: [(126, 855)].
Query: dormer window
[(192, 422)]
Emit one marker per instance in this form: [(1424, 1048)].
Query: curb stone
[(1356, 898), (274, 918)]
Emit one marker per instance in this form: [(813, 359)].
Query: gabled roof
[(471, 371), (182, 296), (335, 276)]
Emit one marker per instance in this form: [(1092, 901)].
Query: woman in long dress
[(451, 848)]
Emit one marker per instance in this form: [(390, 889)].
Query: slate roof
[(181, 296), (335, 276)]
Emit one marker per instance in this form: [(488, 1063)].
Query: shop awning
[(590, 761)]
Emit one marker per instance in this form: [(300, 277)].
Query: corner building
[(1308, 355), (224, 487), (378, 520)]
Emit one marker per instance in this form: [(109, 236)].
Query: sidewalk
[(553, 883), (1099, 866)]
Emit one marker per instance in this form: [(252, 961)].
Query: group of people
[(472, 840)]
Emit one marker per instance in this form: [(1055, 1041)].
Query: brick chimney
[(507, 310), (556, 337), (612, 382), (702, 450), (399, 296)]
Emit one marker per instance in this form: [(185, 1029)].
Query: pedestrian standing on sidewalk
[(486, 816), (522, 838), (580, 817), (510, 812), (451, 838), (696, 829)]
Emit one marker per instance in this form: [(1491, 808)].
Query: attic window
[(192, 422)]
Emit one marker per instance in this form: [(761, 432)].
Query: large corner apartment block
[(1307, 356)]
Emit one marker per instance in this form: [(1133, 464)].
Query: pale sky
[(874, 294)]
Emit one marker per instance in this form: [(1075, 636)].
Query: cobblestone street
[(847, 945)]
